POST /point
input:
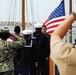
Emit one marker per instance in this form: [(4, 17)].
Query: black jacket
[(47, 45), (38, 47)]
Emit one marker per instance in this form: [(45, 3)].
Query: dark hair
[(75, 40), (4, 35), (17, 29)]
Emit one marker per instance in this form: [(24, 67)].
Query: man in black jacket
[(39, 51), (43, 30)]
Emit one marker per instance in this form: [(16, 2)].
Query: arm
[(62, 29), (19, 42), (58, 48)]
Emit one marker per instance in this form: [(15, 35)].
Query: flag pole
[(70, 10), (51, 67)]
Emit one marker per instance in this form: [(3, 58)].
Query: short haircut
[(17, 29), (4, 35)]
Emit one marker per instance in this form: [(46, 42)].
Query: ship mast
[(23, 14), (70, 10)]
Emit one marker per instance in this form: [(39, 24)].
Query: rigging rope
[(9, 17), (38, 10), (32, 11), (74, 24), (15, 11), (48, 10), (50, 5), (0, 1), (19, 12)]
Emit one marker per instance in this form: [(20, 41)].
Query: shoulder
[(48, 36), (60, 49), (21, 36), (57, 44)]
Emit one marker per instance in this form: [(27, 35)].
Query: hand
[(47, 58)]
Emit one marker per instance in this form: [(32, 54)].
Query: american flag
[(55, 18)]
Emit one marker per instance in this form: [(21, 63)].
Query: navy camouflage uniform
[(6, 54)]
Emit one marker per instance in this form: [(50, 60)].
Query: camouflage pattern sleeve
[(20, 42)]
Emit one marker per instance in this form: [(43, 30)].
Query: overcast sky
[(41, 10)]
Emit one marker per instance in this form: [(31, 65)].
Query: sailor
[(48, 36), (27, 36), (26, 52), (17, 52), (39, 49)]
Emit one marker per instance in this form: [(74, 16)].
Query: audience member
[(47, 47), (39, 49)]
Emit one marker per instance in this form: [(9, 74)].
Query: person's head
[(75, 40), (38, 26), (43, 30), (4, 33), (27, 34), (17, 29)]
